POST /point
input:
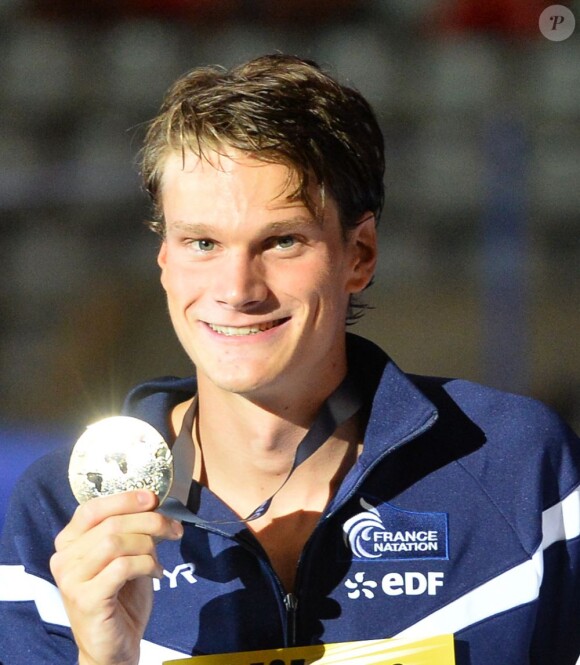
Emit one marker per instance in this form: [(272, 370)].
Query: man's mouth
[(240, 331)]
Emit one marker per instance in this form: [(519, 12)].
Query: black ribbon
[(339, 407)]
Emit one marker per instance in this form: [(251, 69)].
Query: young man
[(389, 505)]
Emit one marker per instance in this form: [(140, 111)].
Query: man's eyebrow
[(293, 223), (192, 228), (297, 223)]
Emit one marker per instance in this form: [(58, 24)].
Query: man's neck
[(240, 438)]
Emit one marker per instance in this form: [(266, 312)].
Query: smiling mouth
[(241, 331)]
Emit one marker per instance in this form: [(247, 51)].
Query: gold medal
[(120, 454)]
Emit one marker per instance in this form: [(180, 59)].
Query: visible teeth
[(247, 330)]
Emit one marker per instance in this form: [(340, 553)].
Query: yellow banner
[(432, 651)]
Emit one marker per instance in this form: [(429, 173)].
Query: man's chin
[(245, 384)]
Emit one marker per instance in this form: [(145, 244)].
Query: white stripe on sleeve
[(515, 587), (18, 585)]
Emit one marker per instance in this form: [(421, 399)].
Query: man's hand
[(103, 565)]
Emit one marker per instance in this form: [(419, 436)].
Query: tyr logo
[(184, 569)]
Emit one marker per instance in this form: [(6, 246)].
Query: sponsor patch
[(384, 533)]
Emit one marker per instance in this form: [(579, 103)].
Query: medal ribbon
[(340, 406)]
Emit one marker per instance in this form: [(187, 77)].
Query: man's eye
[(285, 242), (203, 245)]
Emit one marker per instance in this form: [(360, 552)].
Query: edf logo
[(412, 584), (395, 584)]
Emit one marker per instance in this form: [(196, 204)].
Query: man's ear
[(162, 261), (362, 241)]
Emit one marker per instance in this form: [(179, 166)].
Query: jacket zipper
[(291, 605)]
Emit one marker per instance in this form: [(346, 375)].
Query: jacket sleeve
[(557, 631), (529, 466), (34, 628)]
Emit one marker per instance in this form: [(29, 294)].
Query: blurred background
[(480, 238)]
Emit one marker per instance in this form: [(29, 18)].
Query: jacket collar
[(398, 408), (397, 411)]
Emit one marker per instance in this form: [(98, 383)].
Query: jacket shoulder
[(515, 441), (41, 504)]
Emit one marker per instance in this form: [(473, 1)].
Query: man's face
[(257, 286)]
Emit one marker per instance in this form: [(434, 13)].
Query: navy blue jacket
[(461, 515)]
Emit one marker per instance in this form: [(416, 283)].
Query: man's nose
[(241, 284)]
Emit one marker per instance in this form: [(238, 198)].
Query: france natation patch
[(382, 532)]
